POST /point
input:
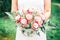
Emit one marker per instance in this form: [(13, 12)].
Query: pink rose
[(24, 10), (37, 19), (30, 11), (17, 18), (40, 23), (42, 16), (34, 26), (29, 16), (23, 21)]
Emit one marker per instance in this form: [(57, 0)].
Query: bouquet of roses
[(33, 18), (30, 21)]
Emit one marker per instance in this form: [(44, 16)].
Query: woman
[(45, 5)]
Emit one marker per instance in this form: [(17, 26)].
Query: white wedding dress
[(25, 4)]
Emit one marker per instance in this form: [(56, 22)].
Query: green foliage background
[(8, 29)]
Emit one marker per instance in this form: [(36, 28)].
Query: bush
[(5, 6)]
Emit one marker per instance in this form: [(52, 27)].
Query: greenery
[(8, 29), (54, 34), (5, 6)]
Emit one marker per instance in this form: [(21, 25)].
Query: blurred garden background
[(8, 29)]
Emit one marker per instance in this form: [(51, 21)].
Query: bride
[(44, 5)]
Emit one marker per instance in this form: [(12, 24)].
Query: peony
[(23, 21), (24, 10), (29, 16), (37, 19), (42, 16), (39, 12), (31, 10), (34, 26), (40, 23), (17, 17)]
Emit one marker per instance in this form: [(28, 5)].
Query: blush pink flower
[(42, 16), (40, 23), (23, 21), (29, 16), (30, 11), (17, 17), (34, 26), (37, 19), (38, 12), (24, 10)]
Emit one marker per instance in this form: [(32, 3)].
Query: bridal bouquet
[(30, 18), (30, 21)]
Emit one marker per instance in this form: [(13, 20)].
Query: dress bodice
[(25, 4)]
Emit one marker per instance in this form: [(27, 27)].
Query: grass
[(7, 29)]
